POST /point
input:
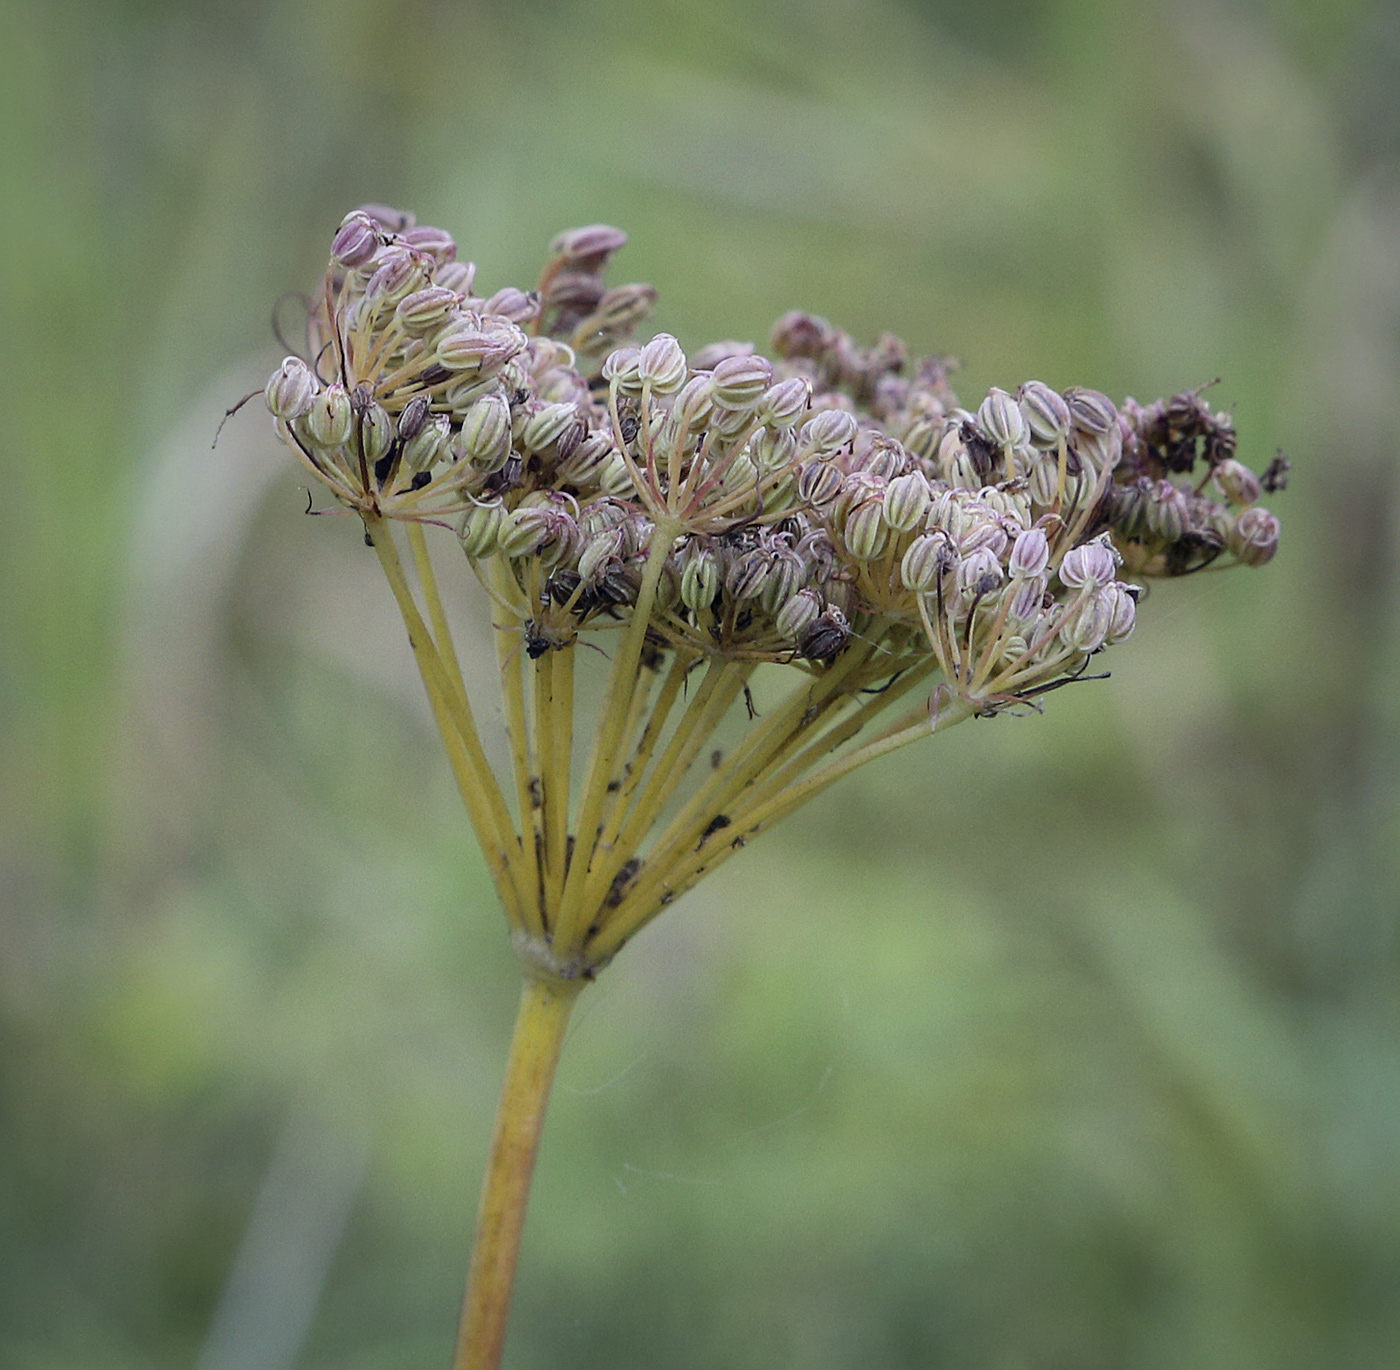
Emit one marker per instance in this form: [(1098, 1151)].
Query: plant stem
[(711, 701), (437, 618), (663, 880), (480, 790), (632, 769), (510, 657), (572, 916), (545, 1005)]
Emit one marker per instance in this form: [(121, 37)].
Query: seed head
[(1030, 554), (700, 579), (1254, 536), (485, 435), (291, 390), (741, 382), (1002, 421), (1046, 413), (836, 495), (357, 240), (478, 528), (661, 365), (1090, 566), (588, 249), (906, 502)]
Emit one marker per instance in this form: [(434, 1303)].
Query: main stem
[(545, 1005)]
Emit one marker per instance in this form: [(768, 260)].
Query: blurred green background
[(1062, 1042)]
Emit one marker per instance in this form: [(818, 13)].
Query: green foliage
[(1063, 1042)]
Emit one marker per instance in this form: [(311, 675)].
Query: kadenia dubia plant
[(832, 510)]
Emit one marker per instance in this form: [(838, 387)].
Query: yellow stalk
[(791, 718), (553, 818), (562, 702), (572, 920), (918, 722), (629, 776), (442, 634), (510, 655), (545, 1006), (480, 790), (766, 766), (711, 702), (497, 856), (785, 769), (659, 887), (618, 785)]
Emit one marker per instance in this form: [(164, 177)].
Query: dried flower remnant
[(831, 509)]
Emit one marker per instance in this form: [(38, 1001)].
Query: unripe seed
[(1254, 538), (748, 574), (979, 574), (599, 551), (1124, 613), (1000, 418), (1168, 513), (623, 366), (430, 445), (397, 272), (456, 276), (907, 500), (797, 614), (1240, 485), (819, 483), (486, 433), (581, 466), (786, 402), (1090, 411), (740, 382), (356, 241), (478, 529), (1027, 596), (291, 390), (827, 432), (700, 579), (785, 574), (771, 450), (438, 243), (1092, 565), (614, 478), (1086, 629), (926, 556), (373, 426), (519, 306), (590, 246), (866, 533), (329, 420), (1046, 413), (662, 365), (1030, 554), (427, 309), (547, 426), (740, 474), (480, 344)]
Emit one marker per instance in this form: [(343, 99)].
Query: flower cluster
[(833, 493), (831, 507)]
